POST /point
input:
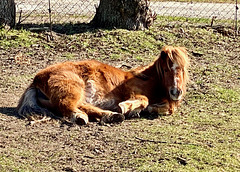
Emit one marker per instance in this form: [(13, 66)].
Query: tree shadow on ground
[(66, 28)]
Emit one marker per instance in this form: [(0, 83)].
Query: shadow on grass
[(66, 28)]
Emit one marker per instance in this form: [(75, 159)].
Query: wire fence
[(75, 11), (62, 11)]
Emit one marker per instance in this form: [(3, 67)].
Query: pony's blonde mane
[(176, 55)]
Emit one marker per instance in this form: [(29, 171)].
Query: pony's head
[(172, 70)]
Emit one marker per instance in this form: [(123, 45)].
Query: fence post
[(50, 18), (236, 19)]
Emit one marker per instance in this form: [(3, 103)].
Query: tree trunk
[(126, 14), (7, 13)]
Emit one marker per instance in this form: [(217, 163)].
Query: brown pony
[(91, 90)]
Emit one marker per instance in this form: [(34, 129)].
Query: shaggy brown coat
[(93, 90)]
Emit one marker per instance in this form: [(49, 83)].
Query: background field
[(203, 135)]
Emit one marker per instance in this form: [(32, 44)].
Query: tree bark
[(126, 14), (7, 13)]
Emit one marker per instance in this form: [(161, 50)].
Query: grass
[(203, 135), (15, 38)]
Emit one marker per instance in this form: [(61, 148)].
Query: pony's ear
[(163, 55), (166, 52)]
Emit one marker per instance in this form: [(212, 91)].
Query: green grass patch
[(17, 38), (117, 44), (68, 56), (227, 95)]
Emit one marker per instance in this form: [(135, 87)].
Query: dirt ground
[(59, 146)]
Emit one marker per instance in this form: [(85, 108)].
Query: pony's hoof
[(134, 114), (81, 121), (113, 118), (80, 118)]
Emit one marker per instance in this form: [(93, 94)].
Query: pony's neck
[(152, 72), (154, 82)]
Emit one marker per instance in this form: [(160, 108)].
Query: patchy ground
[(204, 134)]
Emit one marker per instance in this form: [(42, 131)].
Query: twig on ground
[(44, 119), (159, 141)]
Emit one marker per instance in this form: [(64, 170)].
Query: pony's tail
[(28, 106)]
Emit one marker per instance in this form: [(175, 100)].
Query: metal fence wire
[(79, 11), (62, 11)]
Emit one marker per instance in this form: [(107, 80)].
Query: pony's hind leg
[(66, 93)]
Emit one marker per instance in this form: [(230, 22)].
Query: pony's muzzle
[(175, 93)]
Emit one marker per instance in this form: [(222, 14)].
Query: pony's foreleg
[(105, 116), (132, 107), (162, 108)]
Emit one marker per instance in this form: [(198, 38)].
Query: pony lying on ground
[(90, 90)]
